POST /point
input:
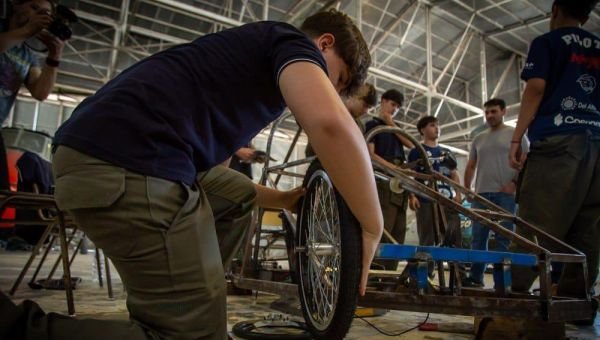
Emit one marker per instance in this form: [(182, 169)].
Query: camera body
[(61, 24)]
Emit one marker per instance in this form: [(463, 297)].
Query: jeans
[(481, 233)]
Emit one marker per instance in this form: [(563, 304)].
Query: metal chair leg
[(59, 258), (34, 253), (65, 256), (99, 268), (108, 278)]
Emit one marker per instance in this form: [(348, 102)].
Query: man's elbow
[(536, 87), (40, 96)]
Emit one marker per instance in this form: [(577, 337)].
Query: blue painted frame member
[(422, 254), (408, 252)]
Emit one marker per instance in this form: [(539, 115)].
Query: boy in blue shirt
[(560, 190), (437, 155)]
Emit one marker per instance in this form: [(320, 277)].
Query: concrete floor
[(92, 301)]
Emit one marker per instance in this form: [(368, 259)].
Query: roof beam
[(409, 83), (198, 11), (493, 40), (392, 25), (515, 27), (118, 38)]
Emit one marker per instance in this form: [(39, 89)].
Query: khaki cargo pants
[(161, 237)]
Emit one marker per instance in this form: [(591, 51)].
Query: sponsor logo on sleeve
[(560, 120), (587, 83), (568, 103)]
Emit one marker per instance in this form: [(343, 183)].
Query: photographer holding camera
[(18, 63)]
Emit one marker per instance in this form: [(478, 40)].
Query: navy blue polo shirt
[(435, 155), (192, 106), (387, 145), (34, 170), (568, 59)]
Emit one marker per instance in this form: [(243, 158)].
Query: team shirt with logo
[(189, 108), (435, 156), (568, 59)]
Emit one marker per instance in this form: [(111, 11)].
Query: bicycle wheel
[(328, 258)]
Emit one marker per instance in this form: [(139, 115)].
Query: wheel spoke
[(321, 261)]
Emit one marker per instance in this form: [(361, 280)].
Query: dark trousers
[(560, 193), (393, 207), (426, 227), (426, 230)]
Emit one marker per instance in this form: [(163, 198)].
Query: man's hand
[(369, 246), (245, 154), (509, 188), (413, 203), (289, 199), (55, 45), (514, 156), (389, 120), (37, 23)]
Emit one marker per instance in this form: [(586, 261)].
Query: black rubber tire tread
[(351, 247), (245, 330)]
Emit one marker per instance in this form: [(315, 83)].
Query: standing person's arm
[(413, 200), (470, 172), (537, 69), (377, 158), (18, 35), (405, 141), (340, 147), (456, 178), (530, 103), (40, 81), (471, 166)]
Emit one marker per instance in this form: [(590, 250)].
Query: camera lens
[(60, 30)]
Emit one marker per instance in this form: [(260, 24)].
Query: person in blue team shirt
[(18, 63), (388, 149), (560, 109), (438, 158), (134, 161)]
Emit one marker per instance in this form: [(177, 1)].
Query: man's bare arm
[(470, 172), (339, 145)]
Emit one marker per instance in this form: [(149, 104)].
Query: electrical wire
[(393, 334)]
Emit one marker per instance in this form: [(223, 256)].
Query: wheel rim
[(320, 251)]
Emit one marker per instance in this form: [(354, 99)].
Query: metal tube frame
[(453, 299)]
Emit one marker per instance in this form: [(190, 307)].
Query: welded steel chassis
[(448, 298)]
